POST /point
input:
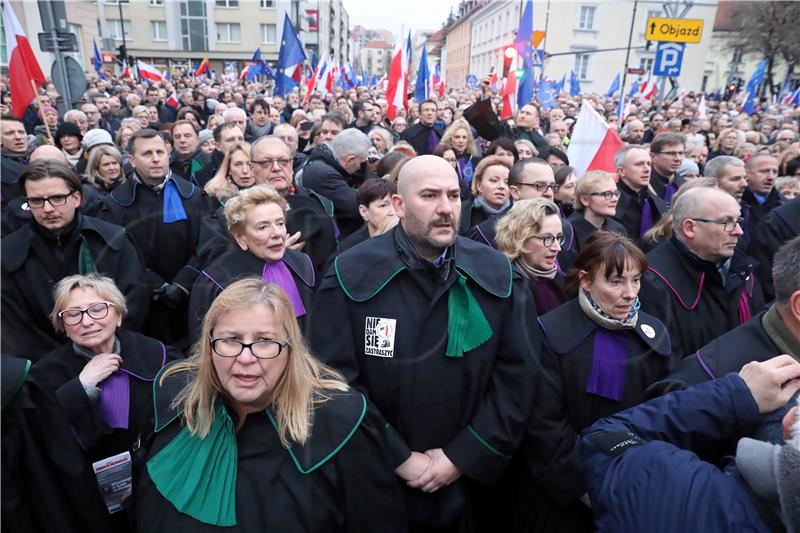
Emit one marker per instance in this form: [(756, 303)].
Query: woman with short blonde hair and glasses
[(596, 198), (253, 431)]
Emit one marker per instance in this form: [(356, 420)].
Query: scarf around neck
[(593, 311), (481, 202), (529, 272)]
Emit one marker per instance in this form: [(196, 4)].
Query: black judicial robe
[(775, 229), (688, 295), (473, 407), (485, 232), (554, 481), (340, 479), (483, 118), (473, 214), (34, 261), (417, 136), (142, 358), (548, 294), (758, 211), (237, 264), (169, 249), (584, 229), (629, 209), (45, 478)]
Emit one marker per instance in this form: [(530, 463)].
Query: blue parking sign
[(669, 57)]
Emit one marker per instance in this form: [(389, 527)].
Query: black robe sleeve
[(482, 117)]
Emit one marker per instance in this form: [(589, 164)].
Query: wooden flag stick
[(41, 112)]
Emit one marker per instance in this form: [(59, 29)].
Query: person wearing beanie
[(68, 139), (643, 471), (206, 141), (93, 138)]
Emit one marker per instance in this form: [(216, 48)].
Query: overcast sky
[(391, 14)]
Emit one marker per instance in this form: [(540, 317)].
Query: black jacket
[(483, 118), (688, 294), (209, 170), (584, 229), (34, 261), (473, 214), (187, 167), (417, 136), (757, 211), (381, 317), (629, 209), (778, 227), (339, 480), (12, 166), (324, 175)]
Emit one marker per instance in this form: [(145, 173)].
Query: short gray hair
[(752, 161), (689, 205), (715, 168), (77, 112), (350, 142), (227, 115), (785, 274), (105, 288), (622, 154)]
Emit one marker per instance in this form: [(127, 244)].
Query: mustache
[(448, 219)]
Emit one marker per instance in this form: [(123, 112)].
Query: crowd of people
[(259, 312)]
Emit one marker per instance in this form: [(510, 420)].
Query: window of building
[(115, 32), (227, 3), (3, 49), (228, 32), (737, 54), (267, 4), (646, 63), (193, 26), (77, 31), (586, 18), (269, 33), (158, 30), (156, 2), (582, 66)]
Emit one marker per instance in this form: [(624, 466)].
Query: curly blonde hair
[(237, 206), (221, 186), (523, 221), (460, 124)]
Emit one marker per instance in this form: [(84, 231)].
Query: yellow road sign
[(674, 30)]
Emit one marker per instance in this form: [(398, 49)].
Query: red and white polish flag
[(593, 144)]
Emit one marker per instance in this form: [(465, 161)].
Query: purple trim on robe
[(278, 273), (215, 282), (299, 274), (607, 375), (704, 365), (668, 284), (483, 235), (143, 378), (115, 399)]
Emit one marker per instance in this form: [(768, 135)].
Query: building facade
[(375, 58)]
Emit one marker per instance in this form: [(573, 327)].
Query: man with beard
[(162, 212), (699, 284), (435, 329), (187, 157)]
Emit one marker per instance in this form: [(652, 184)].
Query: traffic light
[(519, 73), (123, 52), (510, 52)]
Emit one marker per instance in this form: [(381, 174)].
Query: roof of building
[(378, 44), (724, 19)]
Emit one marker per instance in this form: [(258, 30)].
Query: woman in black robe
[(491, 196), (255, 434), (600, 352), (596, 198), (256, 219), (102, 379), (531, 236)]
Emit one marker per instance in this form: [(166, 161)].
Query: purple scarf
[(647, 217), (607, 376), (433, 140), (115, 399), (278, 273), (546, 295)]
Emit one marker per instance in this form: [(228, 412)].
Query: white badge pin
[(648, 330)]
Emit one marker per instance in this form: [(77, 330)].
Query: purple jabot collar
[(607, 376), (278, 273)]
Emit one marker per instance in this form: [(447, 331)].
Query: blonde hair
[(586, 186), (387, 224), (93, 167), (480, 170), (662, 230), (786, 181), (105, 288), (724, 133), (221, 186), (385, 136), (237, 206), (460, 124), (304, 384), (523, 220)]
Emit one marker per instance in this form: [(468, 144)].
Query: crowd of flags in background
[(516, 86)]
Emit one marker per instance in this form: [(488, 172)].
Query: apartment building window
[(267, 4), (269, 33), (646, 63), (193, 26), (227, 3), (582, 66), (228, 32), (115, 30), (158, 30), (586, 18), (156, 2), (737, 54)]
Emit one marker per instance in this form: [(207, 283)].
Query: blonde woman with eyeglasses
[(253, 433)]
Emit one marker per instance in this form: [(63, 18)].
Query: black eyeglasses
[(727, 225), (56, 200), (540, 186), (672, 154), (266, 163), (549, 240), (262, 349), (74, 316), (607, 195)]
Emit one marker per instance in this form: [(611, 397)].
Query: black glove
[(170, 295)]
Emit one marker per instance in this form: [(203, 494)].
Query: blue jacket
[(642, 476)]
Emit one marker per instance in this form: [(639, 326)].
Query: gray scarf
[(593, 311), (481, 202), (529, 272)]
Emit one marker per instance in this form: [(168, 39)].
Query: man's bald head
[(48, 152), (417, 169), (701, 217)]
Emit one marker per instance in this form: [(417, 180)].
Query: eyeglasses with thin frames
[(74, 316), (267, 163), (261, 349), (727, 225), (540, 186), (549, 240), (607, 195)]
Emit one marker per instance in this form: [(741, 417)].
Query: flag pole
[(628, 52), (41, 112)]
